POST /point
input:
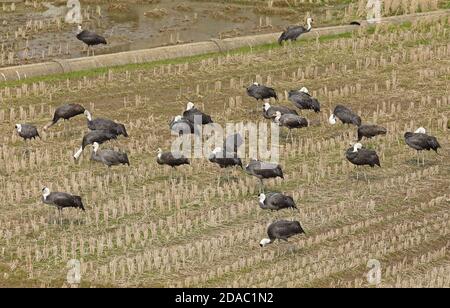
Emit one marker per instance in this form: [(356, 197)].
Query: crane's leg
[(418, 158), (423, 158), (365, 177), (261, 190), (287, 136), (357, 173), (60, 216)]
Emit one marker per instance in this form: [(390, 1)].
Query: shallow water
[(132, 29)]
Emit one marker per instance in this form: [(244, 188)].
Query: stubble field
[(144, 228)]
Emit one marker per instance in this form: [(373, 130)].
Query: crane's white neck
[(80, 29), (357, 147), (78, 153), (265, 242), (88, 115), (45, 193), (332, 119), (266, 106), (278, 117), (262, 198), (96, 147), (178, 118), (19, 128), (309, 24), (190, 106), (421, 130), (304, 90)]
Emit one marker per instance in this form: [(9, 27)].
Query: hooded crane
[(192, 113), (291, 121), (420, 141), (96, 136), (292, 33), (263, 170), (260, 92), (171, 159), (370, 131), (303, 100), (225, 159), (90, 38), (182, 126), (109, 157), (360, 156), (270, 112), (65, 112), (345, 115), (282, 230), (105, 124), (276, 202), (27, 131), (61, 200)]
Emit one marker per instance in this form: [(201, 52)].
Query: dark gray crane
[(65, 112), (282, 230), (369, 131), (27, 131), (196, 116), (95, 136), (303, 100), (90, 38), (270, 112), (109, 157), (359, 156), (420, 141), (290, 121), (292, 33), (264, 170), (276, 202), (345, 115), (105, 124), (61, 200)]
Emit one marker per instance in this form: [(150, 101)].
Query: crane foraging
[(61, 200), (282, 230), (65, 112), (292, 33), (109, 157), (359, 156)]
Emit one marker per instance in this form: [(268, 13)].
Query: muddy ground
[(37, 32)]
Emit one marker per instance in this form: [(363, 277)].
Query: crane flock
[(102, 130)]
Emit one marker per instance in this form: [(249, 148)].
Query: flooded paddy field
[(37, 31)]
